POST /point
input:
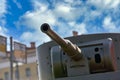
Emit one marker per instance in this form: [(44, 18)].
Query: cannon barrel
[(69, 48)]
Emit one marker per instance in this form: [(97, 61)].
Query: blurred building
[(25, 71), (75, 33)]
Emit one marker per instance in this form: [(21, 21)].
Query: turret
[(72, 50)]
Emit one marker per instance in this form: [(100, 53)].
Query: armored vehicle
[(82, 57)]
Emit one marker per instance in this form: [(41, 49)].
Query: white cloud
[(74, 2), (64, 11), (37, 37), (2, 7), (113, 3), (39, 6), (109, 25), (3, 11), (105, 3), (27, 35), (33, 19), (69, 14), (18, 4), (3, 30), (79, 27)]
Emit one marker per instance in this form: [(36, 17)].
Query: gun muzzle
[(69, 48)]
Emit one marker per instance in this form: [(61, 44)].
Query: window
[(6, 76), (28, 72), (16, 74)]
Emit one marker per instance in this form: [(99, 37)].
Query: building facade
[(28, 71)]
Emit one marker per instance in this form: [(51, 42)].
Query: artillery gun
[(82, 57)]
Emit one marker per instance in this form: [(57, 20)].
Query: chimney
[(75, 33), (32, 44)]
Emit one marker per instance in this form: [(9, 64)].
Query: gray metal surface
[(100, 76), (46, 61)]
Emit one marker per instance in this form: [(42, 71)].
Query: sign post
[(11, 59), (17, 71), (20, 55), (20, 52)]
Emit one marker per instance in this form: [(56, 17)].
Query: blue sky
[(21, 19)]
